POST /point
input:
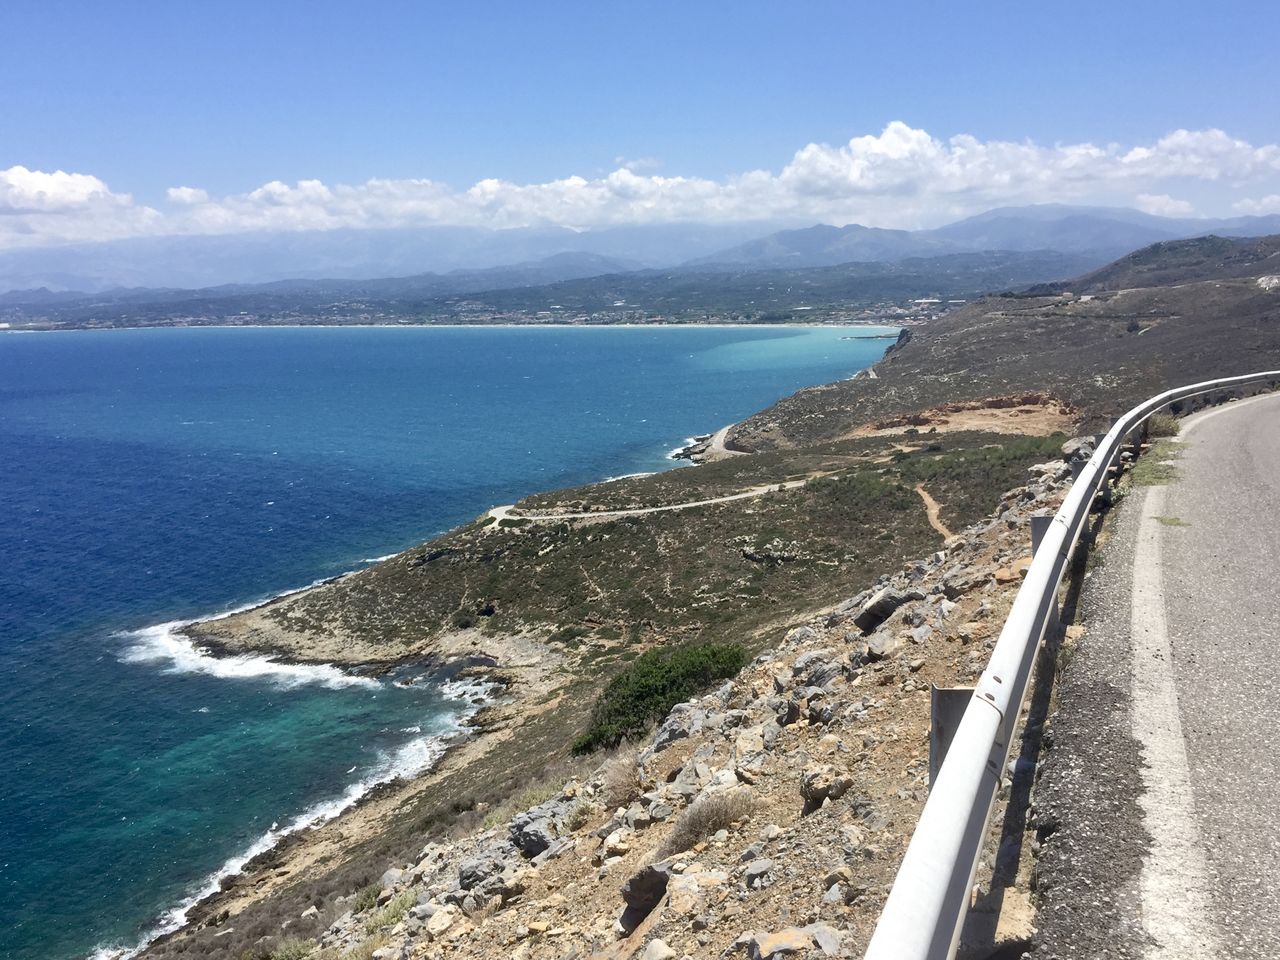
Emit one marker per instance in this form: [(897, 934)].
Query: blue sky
[(228, 97)]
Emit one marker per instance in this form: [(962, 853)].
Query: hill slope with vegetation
[(1206, 310)]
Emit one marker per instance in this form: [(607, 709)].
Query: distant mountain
[(1088, 229), (286, 293), (1100, 232), (206, 261), (823, 246), (328, 260)]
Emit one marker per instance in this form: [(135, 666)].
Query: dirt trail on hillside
[(931, 507)]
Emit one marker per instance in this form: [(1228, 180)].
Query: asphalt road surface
[(1159, 802)]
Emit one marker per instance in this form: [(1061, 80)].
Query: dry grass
[(531, 797), (621, 776), (293, 948), (716, 811), (1163, 425)]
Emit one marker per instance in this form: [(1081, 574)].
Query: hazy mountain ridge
[(328, 258), (206, 261), (1103, 232)]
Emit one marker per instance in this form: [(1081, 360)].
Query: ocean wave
[(411, 759), (626, 476), (164, 643), (471, 689), (377, 559)]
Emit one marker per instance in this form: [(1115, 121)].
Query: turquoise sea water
[(151, 476)]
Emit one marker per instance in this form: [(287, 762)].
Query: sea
[(151, 477)]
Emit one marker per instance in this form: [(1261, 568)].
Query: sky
[(143, 118)]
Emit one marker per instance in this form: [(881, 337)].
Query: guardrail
[(925, 911)]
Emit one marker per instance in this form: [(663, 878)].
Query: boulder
[(785, 942), (795, 940), (472, 873), (881, 646), (799, 635), (821, 783), (532, 834), (816, 668), (688, 893), (442, 920), (642, 892), (961, 580), (757, 873), (1078, 448), (684, 720), (881, 605), (657, 950)]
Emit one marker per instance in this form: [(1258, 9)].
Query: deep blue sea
[(151, 476)]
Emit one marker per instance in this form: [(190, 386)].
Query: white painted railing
[(923, 916)]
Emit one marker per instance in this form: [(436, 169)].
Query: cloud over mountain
[(902, 176)]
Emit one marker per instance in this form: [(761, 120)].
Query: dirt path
[(716, 450), (931, 508), (508, 512)]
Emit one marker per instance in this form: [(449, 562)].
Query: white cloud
[(1258, 207), (187, 195), (638, 164), (902, 176), (33, 191), (1163, 205)]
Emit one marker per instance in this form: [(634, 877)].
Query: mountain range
[(1100, 232), (441, 261)]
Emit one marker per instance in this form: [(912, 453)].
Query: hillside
[(1179, 262), (1171, 313)]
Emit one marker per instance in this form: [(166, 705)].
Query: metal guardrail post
[(925, 911), (946, 708)]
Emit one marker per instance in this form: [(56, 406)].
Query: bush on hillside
[(646, 690), (706, 815)]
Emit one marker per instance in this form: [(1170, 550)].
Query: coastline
[(521, 681), (498, 691), (481, 693), (665, 325)]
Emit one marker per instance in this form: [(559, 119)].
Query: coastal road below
[(1157, 803)]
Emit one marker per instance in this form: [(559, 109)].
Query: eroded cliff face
[(768, 816)]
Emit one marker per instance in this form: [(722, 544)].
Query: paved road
[(1160, 798)]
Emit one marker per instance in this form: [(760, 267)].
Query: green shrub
[(292, 948), (366, 898), (392, 913), (646, 690)]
